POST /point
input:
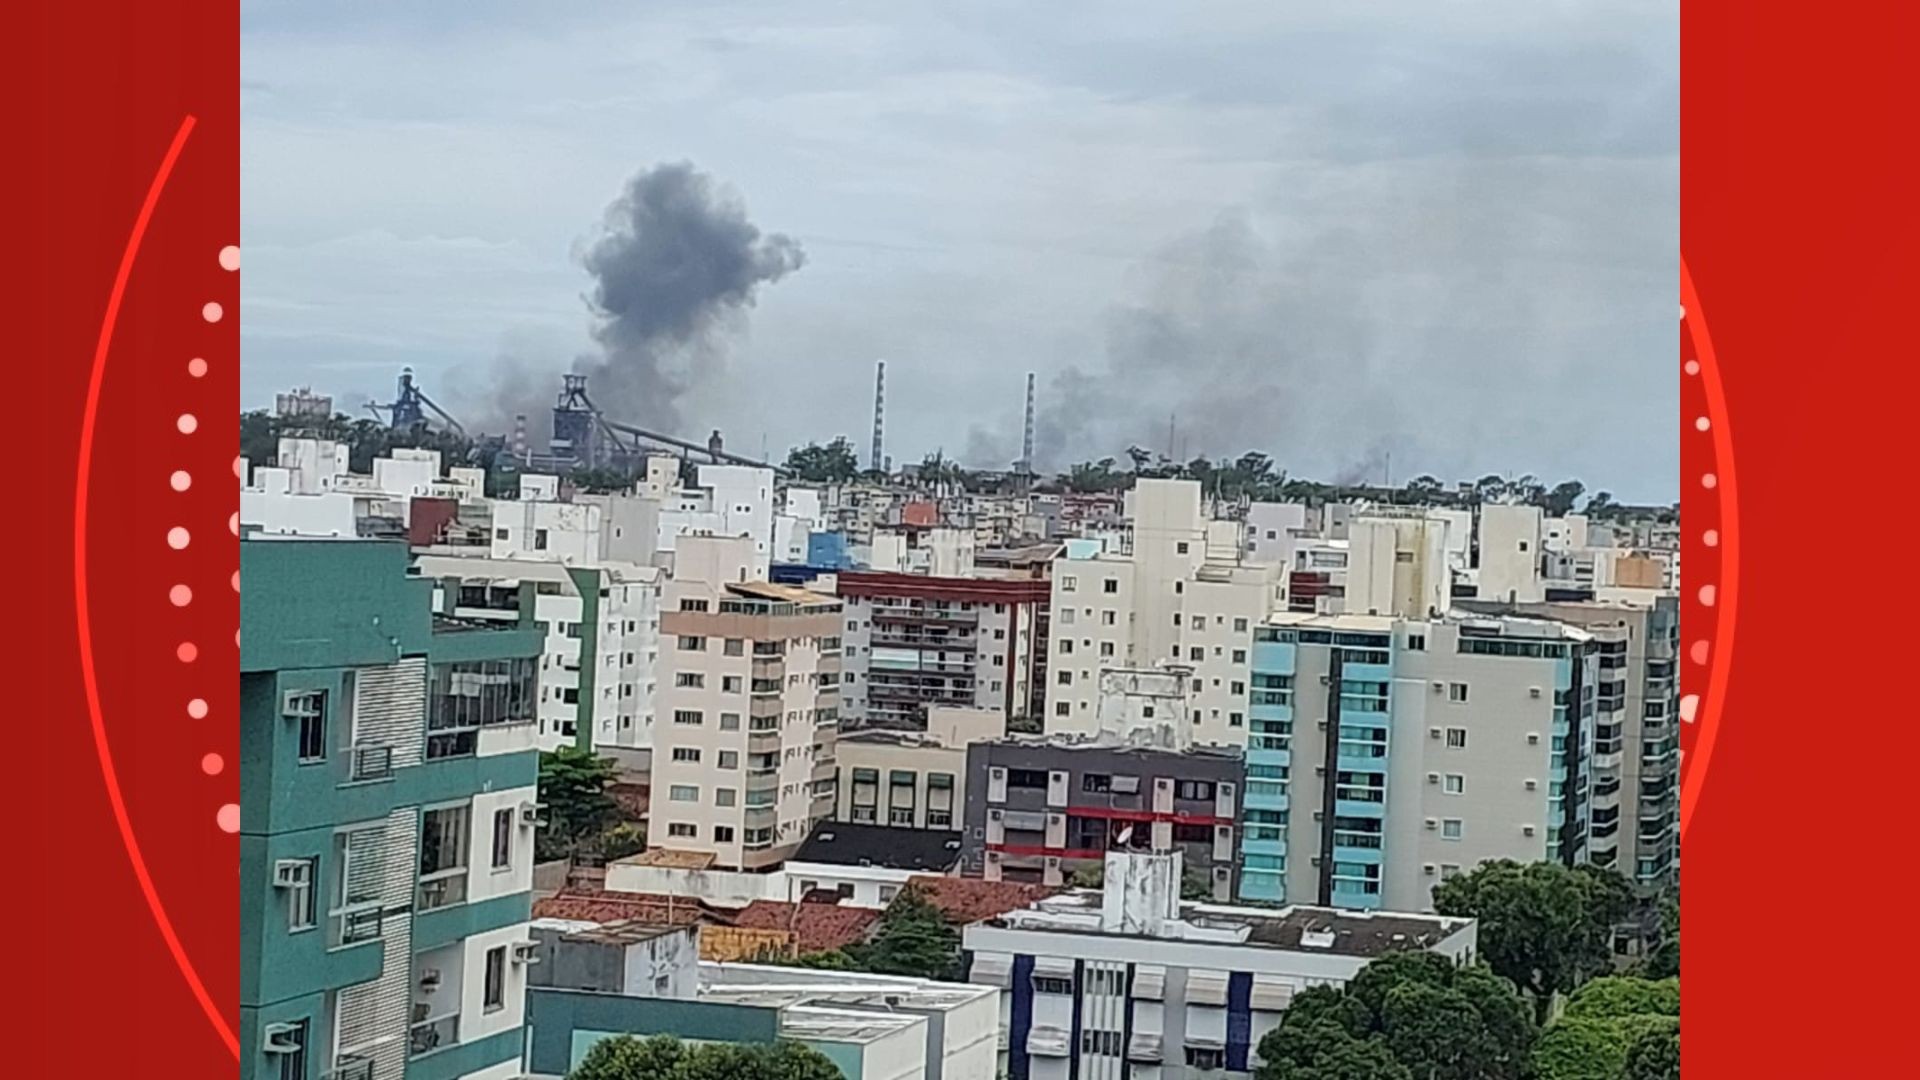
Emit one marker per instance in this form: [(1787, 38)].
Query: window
[(691, 604), (1068, 584), (1066, 616), (1457, 692), (309, 707), (1061, 708), (888, 892), (1238, 688), (1456, 784), (731, 684), (689, 717), (1109, 618), (1065, 679), (1110, 586), (1202, 1057), (690, 643), (1239, 656), (1456, 738), (690, 679), (1235, 719), (1096, 782), (722, 834), (1101, 1042), (1199, 622), (1193, 789), (1106, 648), (443, 857), (681, 829), (684, 793), (570, 695), (1451, 828), (734, 647), (1027, 778), (729, 759), (301, 914), (1448, 870), (293, 1066), (1048, 984), (1239, 626), (495, 991), (1417, 642), (1066, 647), (729, 721), (687, 754), (723, 796), (539, 539)]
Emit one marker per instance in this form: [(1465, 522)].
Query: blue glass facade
[(1269, 772)]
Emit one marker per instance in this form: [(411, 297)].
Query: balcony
[(361, 922), (444, 889), (350, 1067), (433, 1033)]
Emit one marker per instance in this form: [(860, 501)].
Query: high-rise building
[(387, 823), (746, 711), (1387, 754), (915, 643), (1180, 596)]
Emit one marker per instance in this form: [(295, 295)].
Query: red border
[(1797, 231), (126, 183)]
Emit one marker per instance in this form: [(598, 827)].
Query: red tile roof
[(967, 900), (601, 906), (816, 927)]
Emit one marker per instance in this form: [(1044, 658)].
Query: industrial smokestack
[(1026, 441), (875, 460)]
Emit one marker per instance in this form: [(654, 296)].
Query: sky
[(1370, 239)]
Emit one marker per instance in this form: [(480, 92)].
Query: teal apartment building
[(387, 820), (1385, 755)]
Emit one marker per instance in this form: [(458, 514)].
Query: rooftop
[(815, 927), (624, 932), (844, 844), (599, 906), (1335, 931), (1115, 742), (779, 594), (965, 900), (670, 859)]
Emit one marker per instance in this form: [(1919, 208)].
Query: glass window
[(684, 793), (1451, 828), (309, 708), (503, 838), (495, 990)]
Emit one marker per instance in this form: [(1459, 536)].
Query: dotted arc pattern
[(1710, 548)]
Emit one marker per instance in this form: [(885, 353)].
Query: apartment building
[(600, 648), (914, 643), (1636, 747), (747, 709), (1132, 982), (387, 824), (1179, 596), (1388, 754), (1512, 553), (1041, 809), (911, 779)]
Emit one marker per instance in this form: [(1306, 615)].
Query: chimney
[(713, 442)]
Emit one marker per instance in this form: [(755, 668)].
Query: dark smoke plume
[(676, 265)]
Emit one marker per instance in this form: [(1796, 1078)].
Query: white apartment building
[(917, 642), (1273, 529), (1512, 549), (747, 708), (727, 500), (1178, 597), (312, 492), (1163, 989), (1397, 565), (601, 643)]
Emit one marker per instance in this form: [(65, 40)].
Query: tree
[(834, 463), (1409, 1014), (913, 939), (1655, 1055), (1608, 1024), (1543, 926), (664, 1057), (573, 786), (1559, 501)]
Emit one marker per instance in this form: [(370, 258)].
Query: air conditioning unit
[(1533, 691), (1531, 784), (292, 873), (526, 952), (533, 814), (1527, 830), (1427, 869), (430, 980), (1433, 733), (1326, 680), (995, 815), (1533, 738), (1433, 823), (1439, 687), (280, 1039), (1433, 778)]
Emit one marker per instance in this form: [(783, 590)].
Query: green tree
[(1560, 501), (1605, 1025), (1545, 927), (664, 1057), (834, 463), (573, 786), (913, 939), (1655, 1055), (1415, 1010)]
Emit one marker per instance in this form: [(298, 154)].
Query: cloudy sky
[(1361, 236)]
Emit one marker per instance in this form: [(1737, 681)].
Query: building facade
[(747, 709), (387, 823), (1388, 754), (911, 779), (1041, 809), (916, 642)]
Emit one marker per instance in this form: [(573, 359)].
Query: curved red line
[(88, 418), (1714, 694)]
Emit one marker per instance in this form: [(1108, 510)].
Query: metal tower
[(1026, 439), (876, 460)]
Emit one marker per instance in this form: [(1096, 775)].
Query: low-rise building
[(911, 779), (868, 865), (1132, 981)]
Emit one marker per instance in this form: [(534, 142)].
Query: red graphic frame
[(1796, 224)]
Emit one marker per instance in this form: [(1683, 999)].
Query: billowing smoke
[(676, 265)]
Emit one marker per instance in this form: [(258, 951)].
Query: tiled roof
[(816, 927), (600, 906), (966, 900)]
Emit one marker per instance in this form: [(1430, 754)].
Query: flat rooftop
[(1303, 929), (842, 844)]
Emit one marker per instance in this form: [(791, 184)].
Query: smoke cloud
[(676, 265)]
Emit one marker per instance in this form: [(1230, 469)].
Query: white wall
[(725, 887), (483, 881), (476, 1021)]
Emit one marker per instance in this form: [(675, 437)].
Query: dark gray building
[(1039, 809)]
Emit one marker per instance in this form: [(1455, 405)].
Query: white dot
[(1702, 423), (211, 764), (177, 538), (1693, 367), (229, 258), (180, 595), (1706, 595), (180, 480), (1711, 538), (197, 708), (233, 524), (236, 581), (1683, 311), (240, 467), (229, 818), (1709, 480), (196, 367), (212, 311), (1689, 706), (187, 423)]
